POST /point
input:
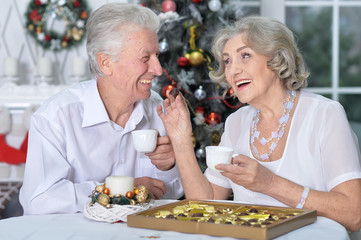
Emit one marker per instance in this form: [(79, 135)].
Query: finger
[(160, 111), (163, 140)]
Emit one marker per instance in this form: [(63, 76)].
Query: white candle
[(119, 184), (78, 67), (44, 67), (10, 67)]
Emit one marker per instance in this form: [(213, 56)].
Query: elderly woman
[(83, 134), (295, 148)]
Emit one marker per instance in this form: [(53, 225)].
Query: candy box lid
[(227, 219)]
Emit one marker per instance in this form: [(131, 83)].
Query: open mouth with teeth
[(144, 81), (242, 83)]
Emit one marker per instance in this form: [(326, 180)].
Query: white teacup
[(218, 154), (145, 141)]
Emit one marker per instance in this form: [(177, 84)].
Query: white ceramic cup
[(145, 141), (218, 154)]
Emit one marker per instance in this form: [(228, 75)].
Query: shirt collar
[(94, 109)]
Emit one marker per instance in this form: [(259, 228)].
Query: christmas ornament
[(200, 153), (106, 191), (169, 6), (200, 93), (214, 5), (183, 61), (199, 116), (197, 1), (142, 194), (163, 46), (194, 140), (166, 90), (213, 118), (73, 13), (196, 58), (129, 194), (215, 138), (230, 92)]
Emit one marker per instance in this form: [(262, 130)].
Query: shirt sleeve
[(46, 189), (339, 149), (172, 181)]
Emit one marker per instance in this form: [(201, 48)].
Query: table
[(78, 227)]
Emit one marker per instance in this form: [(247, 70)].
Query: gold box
[(231, 219)]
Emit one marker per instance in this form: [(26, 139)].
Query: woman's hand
[(248, 173), (176, 119)]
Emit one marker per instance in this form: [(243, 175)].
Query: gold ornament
[(31, 27), (103, 199), (194, 140), (142, 194), (38, 29), (64, 44), (215, 138), (99, 188), (196, 58)]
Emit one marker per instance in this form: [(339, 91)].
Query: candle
[(10, 67), (119, 184), (78, 67), (44, 67)]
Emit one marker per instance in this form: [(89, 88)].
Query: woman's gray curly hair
[(267, 37), (108, 27)]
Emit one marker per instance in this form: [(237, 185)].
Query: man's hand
[(155, 187), (163, 156)]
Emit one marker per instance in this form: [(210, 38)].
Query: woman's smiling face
[(246, 71)]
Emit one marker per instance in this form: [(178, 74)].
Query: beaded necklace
[(278, 134)]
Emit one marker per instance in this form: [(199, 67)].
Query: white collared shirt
[(74, 146)]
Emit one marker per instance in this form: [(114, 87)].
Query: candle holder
[(42, 80), (9, 80)]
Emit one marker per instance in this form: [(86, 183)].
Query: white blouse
[(321, 149)]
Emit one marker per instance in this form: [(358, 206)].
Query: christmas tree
[(185, 37)]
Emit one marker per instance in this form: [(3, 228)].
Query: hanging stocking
[(10, 155)]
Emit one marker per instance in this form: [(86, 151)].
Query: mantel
[(19, 97)]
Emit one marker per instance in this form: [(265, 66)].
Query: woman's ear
[(104, 63)]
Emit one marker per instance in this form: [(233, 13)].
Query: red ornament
[(169, 6), (166, 90), (35, 16), (230, 92), (47, 38), (37, 2), (197, 1), (65, 39), (213, 118), (129, 194), (76, 4), (200, 109), (106, 191), (183, 61)]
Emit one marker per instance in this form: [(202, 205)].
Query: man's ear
[(104, 63)]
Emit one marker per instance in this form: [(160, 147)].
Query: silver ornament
[(200, 93), (163, 46), (200, 153), (214, 5)]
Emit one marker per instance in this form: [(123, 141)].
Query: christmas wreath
[(42, 14)]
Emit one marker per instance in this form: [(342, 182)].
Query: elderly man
[(83, 134)]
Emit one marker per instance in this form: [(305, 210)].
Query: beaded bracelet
[(304, 196)]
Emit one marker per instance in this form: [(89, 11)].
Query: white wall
[(15, 42)]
